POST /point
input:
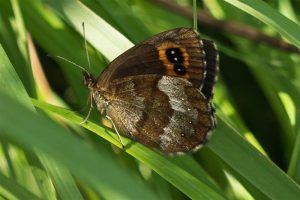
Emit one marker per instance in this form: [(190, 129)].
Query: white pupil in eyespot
[(172, 52)]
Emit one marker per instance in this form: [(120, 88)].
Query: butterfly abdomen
[(211, 70)]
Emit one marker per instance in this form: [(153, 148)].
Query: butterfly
[(159, 93)]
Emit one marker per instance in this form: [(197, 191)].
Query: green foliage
[(46, 153)]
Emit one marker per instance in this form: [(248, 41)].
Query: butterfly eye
[(88, 80), (85, 81)]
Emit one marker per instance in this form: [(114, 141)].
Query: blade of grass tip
[(10, 81), (13, 86), (286, 8), (262, 11)]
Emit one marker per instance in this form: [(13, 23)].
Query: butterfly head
[(88, 80)]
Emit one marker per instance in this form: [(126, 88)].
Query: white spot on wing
[(174, 89), (169, 135), (179, 123)]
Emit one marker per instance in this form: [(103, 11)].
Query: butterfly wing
[(163, 112), (159, 92), (178, 52)]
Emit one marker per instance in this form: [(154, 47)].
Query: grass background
[(45, 154)]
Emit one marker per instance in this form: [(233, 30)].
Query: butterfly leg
[(112, 122), (90, 110)]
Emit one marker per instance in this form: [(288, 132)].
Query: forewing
[(178, 53)]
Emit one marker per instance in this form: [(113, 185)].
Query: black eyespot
[(174, 55), (179, 69)]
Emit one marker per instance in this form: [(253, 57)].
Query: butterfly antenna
[(69, 61), (85, 46)]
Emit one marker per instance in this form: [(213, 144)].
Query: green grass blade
[(232, 162), (17, 190), (57, 39), (251, 164), (62, 179), (14, 87), (98, 170), (123, 18), (71, 16), (276, 73), (163, 165), (271, 17), (10, 81), (13, 39), (99, 33), (294, 167), (286, 8), (231, 148)]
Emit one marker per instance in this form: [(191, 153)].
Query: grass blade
[(17, 190), (98, 170), (163, 165), (273, 18)]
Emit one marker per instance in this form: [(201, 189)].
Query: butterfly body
[(159, 92)]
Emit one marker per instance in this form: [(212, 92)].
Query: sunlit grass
[(46, 154)]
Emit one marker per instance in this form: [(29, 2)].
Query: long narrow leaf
[(188, 184), (265, 13), (231, 148)]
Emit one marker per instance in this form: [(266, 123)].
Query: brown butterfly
[(160, 91)]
